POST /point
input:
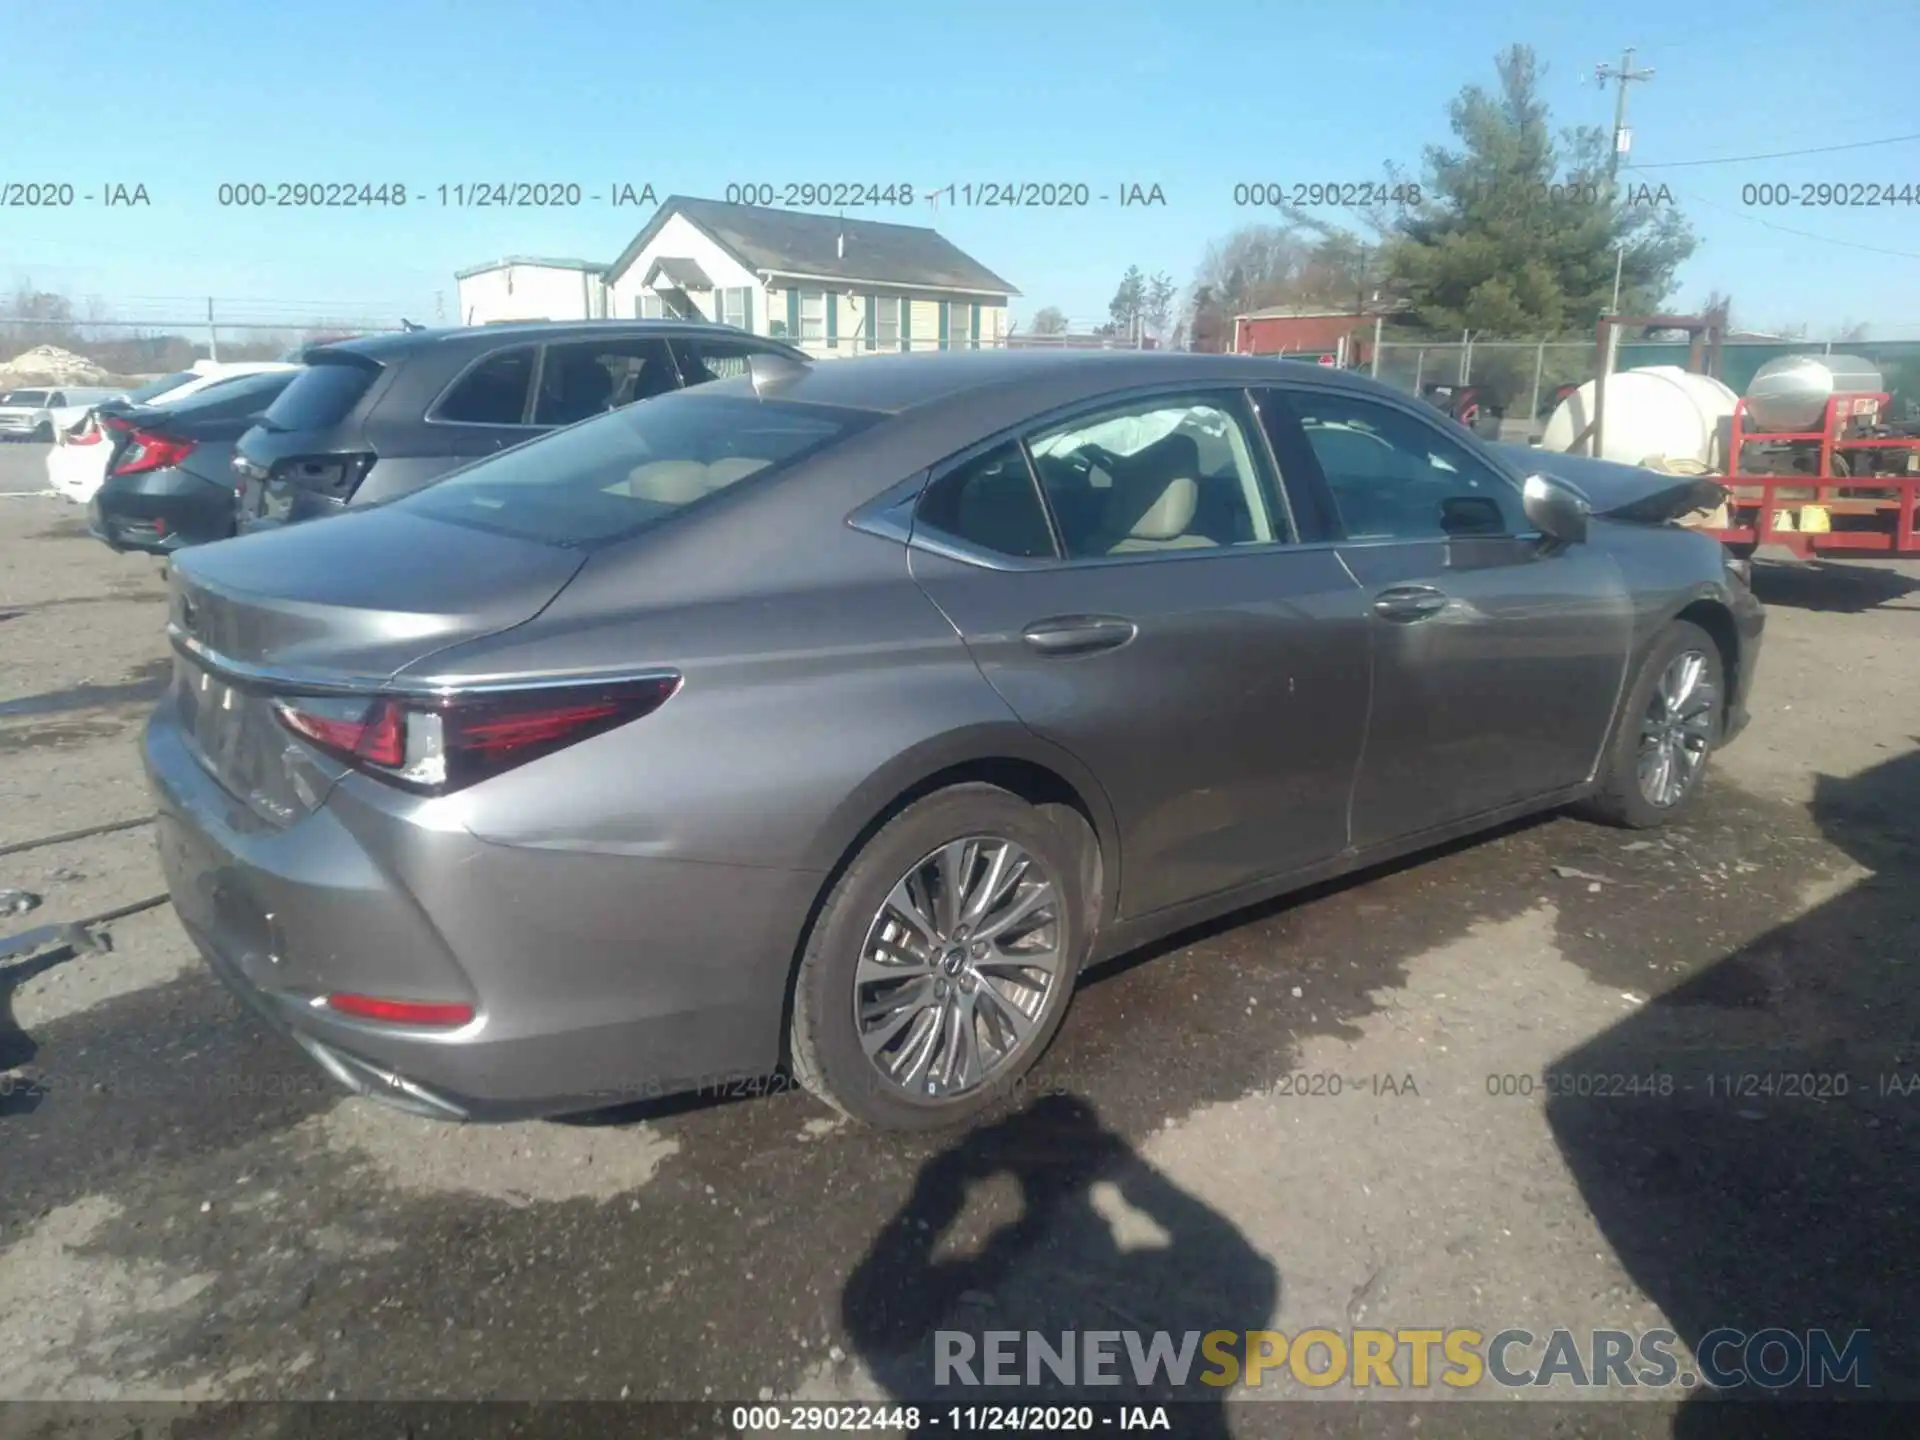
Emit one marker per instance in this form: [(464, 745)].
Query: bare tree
[(1051, 320)]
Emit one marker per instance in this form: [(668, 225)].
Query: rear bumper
[(75, 472), (161, 512), (595, 978)]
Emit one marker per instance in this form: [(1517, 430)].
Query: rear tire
[(986, 963), (1667, 732)]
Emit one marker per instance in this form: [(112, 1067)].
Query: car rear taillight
[(435, 744), (88, 436), (401, 1012), (148, 451)]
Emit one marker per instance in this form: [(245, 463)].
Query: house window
[(646, 306), (813, 315), (886, 320), (959, 324), (733, 307)]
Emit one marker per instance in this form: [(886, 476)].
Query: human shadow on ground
[(1775, 1186), (1048, 1221)]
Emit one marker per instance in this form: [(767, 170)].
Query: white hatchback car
[(77, 463)]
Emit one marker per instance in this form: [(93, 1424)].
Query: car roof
[(896, 384), (384, 347)]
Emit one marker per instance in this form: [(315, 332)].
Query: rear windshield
[(161, 386), (621, 473), (321, 395), (237, 396), (24, 397)]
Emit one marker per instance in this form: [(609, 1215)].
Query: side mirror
[(1556, 509)]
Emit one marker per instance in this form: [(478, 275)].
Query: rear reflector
[(435, 744), (400, 1012)]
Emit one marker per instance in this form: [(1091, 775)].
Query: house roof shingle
[(794, 243)]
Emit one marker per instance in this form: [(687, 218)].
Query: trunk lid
[(1620, 492), (344, 605)]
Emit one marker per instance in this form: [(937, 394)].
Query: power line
[(1778, 154), (1805, 234)]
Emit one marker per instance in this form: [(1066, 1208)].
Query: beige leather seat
[(1162, 525), (1153, 501), (681, 482), (722, 473), (669, 482)]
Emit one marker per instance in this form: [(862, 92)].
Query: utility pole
[(213, 334), (1622, 77)]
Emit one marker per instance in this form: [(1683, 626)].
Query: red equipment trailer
[(1858, 498)]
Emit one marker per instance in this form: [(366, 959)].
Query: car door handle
[(1079, 634), (1409, 602)]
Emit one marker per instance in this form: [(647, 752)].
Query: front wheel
[(1667, 732), (942, 963)]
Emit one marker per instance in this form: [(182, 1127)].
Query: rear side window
[(494, 392), (161, 386), (629, 470), (321, 395), (231, 398), (989, 502)]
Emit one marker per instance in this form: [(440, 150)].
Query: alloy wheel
[(957, 967), (1676, 731)]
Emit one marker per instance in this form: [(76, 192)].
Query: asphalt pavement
[(1395, 1101), (23, 467)]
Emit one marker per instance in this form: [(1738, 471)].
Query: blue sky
[(1193, 96)]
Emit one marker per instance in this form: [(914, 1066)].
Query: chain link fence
[(1524, 379)]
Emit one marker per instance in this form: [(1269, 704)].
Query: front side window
[(813, 315), (630, 470), (588, 377), (1393, 476), (35, 398), (1157, 475), (494, 392), (989, 502)]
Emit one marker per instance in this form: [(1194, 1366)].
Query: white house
[(526, 287), (837, 286)]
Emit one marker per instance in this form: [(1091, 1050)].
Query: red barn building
[(1307, 334)]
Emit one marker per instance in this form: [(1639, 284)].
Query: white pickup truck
[(35, 414)]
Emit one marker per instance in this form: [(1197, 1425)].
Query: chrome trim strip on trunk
[(293, 682)]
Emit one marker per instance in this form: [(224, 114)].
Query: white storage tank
[(1654, 413)]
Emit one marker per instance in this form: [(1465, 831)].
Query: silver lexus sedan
[(828, 720)]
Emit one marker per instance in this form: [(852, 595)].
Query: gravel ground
[(187, 1213)]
